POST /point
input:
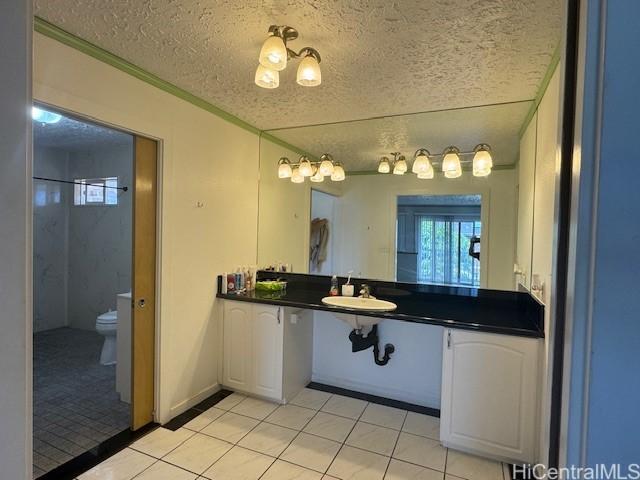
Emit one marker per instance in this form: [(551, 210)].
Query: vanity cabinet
[(256, 358), (489, 403)]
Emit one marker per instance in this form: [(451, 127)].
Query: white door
[(237, 345), (267, 351), (490, 394)]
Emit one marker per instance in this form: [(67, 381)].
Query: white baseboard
[(431, 401), (186, 404)]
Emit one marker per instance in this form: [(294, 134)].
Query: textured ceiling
[(359, 145), (72, 134), (379, 57)]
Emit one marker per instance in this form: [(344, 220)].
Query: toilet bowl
[(107, 326)]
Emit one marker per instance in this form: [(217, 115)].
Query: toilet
[(107, 325)]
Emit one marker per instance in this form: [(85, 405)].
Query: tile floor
[(75, 404), (317, 436)]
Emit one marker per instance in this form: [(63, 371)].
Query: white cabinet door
[(490, 394), (237, 353), (267, 338)]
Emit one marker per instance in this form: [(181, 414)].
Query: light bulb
[(44, 116), (273, 54), (309, 74), (451, 163), (421, 164), (305, 167), (326, 165), (296, 176), (267, 78), (338, 174), (482, 161), (383, 165), (284, 168), (317, 177), (400, 167)]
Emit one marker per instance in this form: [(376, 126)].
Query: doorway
[(322, 233), (94, 256)]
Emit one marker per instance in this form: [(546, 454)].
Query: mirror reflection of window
[(434, 239)]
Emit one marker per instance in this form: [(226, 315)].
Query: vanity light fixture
[(421, 162), (275, 54), (315, 170), (451, 166), (482, 161), (399, 164), (284, 168), (384, 166)]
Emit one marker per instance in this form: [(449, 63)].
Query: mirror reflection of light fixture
[(426, 175), (305, 167), (326, 165), (317, 177), (482, 161), (284, 168), (421, 163), (451, 166), (338, 174), (296, 176), (275, 53), (384, 166), (400, 164)]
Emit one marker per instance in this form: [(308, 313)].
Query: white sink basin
[(360, 303)]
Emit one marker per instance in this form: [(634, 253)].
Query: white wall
[(367, 222), (526, 177), (15, 240), (413, 374), (204, 159)]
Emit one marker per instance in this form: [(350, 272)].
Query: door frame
[(158, 234)]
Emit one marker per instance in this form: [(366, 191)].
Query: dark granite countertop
[(492, 311)]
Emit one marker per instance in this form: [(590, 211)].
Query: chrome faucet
[(365, 291)]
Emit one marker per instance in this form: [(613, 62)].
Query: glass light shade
[(326, 168), (426, 175), (284, 168), (273, 54), (306, 170), (267, 78), (421, 164), (482, 163), (383, 165), (400, 167), (44, 116), (309, 74), (296, 176), (317, 177), (451, 164), (338, 174)]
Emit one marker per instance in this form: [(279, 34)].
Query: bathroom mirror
[(475, 231)]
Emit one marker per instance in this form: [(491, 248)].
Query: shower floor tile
[(75, 404)]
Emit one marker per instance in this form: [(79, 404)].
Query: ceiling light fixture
[(45, 117), (274, 55), (316, 170)]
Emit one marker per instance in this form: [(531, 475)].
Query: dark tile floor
[(75, 404)]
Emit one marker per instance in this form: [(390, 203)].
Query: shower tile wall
[(82, 254), (99, 237), (50, 228)]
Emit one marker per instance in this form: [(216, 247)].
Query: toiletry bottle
[(334, 286)]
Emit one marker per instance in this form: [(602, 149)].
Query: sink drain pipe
[(360, 342)]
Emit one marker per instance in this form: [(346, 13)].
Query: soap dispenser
[(334, 286)]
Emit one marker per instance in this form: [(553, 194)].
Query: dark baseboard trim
[(91, 458), (433, 412), (185, 417)]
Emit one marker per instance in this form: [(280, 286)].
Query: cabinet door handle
[(449, 339), (279, 315)]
